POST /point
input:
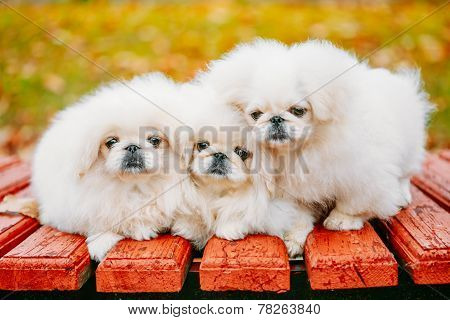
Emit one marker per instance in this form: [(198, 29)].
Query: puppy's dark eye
[(256, 115), (202, 145), (242, 153), (297, 111), (154, 140), (110, 142)]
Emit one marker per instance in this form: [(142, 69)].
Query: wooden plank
[(14, 178), (157, 265), (445, 154), (14, 228), (47, 260), (256, 263), (348, 259), (24, 193), (420, 235), (435, 180), (8, 161)]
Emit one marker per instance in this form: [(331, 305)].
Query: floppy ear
[(321, 106), (186, 153), (238, 106), (88, 155), (330, 102), (260, 165), (184, 145), (265, 173), (84, 147)]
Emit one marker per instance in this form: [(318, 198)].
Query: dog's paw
[(405, 193), (25, 206), (408, 198), (142, 233), (294, 248), (295, 240), (193, 230), (229, 231), (198, 240), (199, 244), (99, 244), (98, 251), (341, 221)]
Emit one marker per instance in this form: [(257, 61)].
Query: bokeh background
[(39, 76)]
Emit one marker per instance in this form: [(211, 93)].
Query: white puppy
[(232, 198), (342, 132), (104, 168)]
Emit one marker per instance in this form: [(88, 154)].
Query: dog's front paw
[(341, 221), (295, 240), (197, 239), (142, 233), (99, 244), (200, 243), (25, 206), (193, 230), (294, 248), (230, 231), (406, 193), (98, 251)]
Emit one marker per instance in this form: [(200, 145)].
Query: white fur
[(360, 140), (79, 183), (239, 203)]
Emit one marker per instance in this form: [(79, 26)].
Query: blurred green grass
[(39, 76)]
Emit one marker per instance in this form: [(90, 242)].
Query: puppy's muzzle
[(277, 130), (133, 161), (219, 165)]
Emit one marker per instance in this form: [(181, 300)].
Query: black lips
[(219, 167), (277, 132), (133, 162)]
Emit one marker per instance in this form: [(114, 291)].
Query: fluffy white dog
[(105, 167), (226, 195), (342, 133)]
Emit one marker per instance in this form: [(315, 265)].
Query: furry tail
[(26, 206)]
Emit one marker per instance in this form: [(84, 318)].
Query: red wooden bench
[(34, 257), (257, 263), (157, 265)]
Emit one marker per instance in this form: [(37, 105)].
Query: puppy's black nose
[(220, 156), (132, 148), (276, 120)]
